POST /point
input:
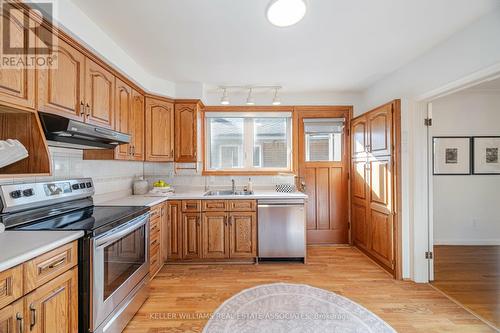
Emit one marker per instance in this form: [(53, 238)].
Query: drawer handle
[(32, 316), (20, 322), (53, 265)]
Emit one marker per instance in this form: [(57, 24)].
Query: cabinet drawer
[(11, 285), (154, 226), (49, 265), (191, 205), (242, 205), (214, 205), (155, 212), (154, 240)]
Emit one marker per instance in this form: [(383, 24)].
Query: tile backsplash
[(115, 178)]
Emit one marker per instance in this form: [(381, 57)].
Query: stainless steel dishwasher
[(281, 229)]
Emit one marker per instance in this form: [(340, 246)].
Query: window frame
[(245, 171)]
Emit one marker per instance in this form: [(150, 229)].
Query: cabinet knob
[(82, 108), (88, 109)]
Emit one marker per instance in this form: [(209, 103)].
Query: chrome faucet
[(233, 186)]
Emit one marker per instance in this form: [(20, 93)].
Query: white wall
[(468, 51), (73, 21), (111, 178), (465, 208)]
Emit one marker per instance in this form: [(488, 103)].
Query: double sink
[(227, 192)]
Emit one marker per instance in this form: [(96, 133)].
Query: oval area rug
[(293, 308)]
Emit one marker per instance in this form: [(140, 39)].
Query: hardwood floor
[(471, 276), (197, 290)]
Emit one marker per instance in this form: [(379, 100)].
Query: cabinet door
[(381, 211), (243, 235), (123, 104), (191, 234), (379, 131), (53, 307), (159, 130), (99, 94), (137, 126), (61, 89), (215, 235), (12, 318), (359, 144), (186, 132), (17, 85), (173, 233)]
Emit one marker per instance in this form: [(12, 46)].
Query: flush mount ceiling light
[(224, 99), (276, 99), (250, 100), (284, 13)]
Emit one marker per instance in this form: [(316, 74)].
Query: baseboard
[(467, 242)]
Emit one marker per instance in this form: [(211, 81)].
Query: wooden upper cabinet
[(159, 131), (137, 126), (17, 85), (186, 123), (61, 89), (379, 130), (123, 113), (99, 94)]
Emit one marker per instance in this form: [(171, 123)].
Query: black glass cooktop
[(78, 216)]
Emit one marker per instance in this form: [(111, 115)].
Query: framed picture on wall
[(451, 155), (486, 155)]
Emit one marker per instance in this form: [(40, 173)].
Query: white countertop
[(144, 200), (17, 247)]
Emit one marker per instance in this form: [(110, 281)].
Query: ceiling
[(339, 46)]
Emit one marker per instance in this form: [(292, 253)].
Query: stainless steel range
[(113, 254)]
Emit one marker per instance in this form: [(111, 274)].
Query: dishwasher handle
[(280, 205)]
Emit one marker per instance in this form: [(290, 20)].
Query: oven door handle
[(113, 236)]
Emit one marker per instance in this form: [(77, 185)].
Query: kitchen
[(113, 192)]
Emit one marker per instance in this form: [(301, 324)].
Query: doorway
[(323, 165), (464, 196)]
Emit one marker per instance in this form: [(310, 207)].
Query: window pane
[(226, 143), (323, 139), (270, 143)]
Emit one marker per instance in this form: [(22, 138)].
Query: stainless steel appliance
[(64, 132), (282, 229), (113, 255)]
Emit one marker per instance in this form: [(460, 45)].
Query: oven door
[(120, 261)]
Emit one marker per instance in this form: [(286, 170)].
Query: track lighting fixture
[(276, 99), (250, 100), (225, 98)]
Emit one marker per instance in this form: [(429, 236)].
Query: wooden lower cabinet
[(211, 230), (41, 295), (191, 235), (215, 235), (12, 318), (243, 234), (173, 231), (53, 307)]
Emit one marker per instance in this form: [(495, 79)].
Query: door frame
[(421, 195), (345, 111)]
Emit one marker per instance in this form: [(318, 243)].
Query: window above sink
[(247, 142)]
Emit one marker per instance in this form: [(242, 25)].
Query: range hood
[(64, 132)]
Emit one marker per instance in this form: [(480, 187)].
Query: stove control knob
[(75, 187), (15, 194), (28, 192), (82, 185)]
